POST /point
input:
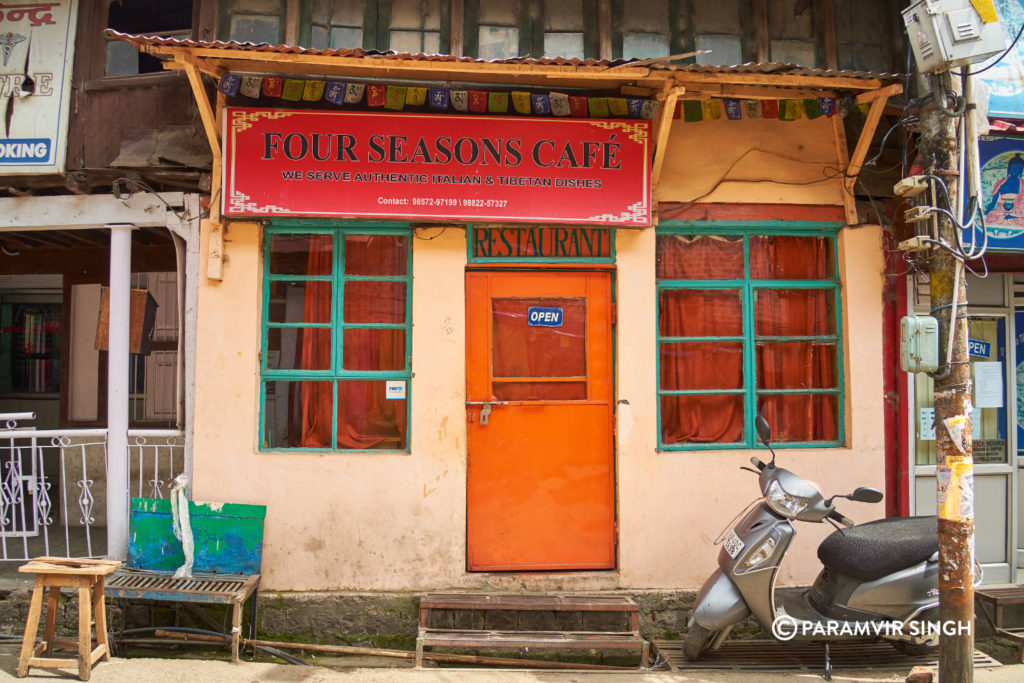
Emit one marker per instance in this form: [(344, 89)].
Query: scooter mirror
[(866, 494), (764, 432)]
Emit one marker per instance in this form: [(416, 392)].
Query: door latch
[(485, 408)]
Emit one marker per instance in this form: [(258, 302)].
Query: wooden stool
[(56, 573)]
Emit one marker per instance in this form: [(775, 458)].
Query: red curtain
[(366, 418), (718, 366)]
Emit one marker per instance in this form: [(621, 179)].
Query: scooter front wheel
[(697, 642)]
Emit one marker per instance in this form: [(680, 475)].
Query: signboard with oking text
[(436, 167), (36, 52)]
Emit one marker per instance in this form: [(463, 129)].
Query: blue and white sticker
[(976, 347), (544, 316), (394, 390)]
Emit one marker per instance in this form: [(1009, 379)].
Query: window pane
[(432, 43), (726, 50), (563, 15), (794, 312), (346, 36), (699, 257), (498, 42), (793, 52), (415, 14), (644, 45), (796, 365), (367, 419), (299, 302), (808, 417), (701, 365), (298, 348), (374, 302), (500, 12), (297, 414), (376, 254), (525, 344), (702, 419), (700, 313), (374, 349), (539, 391), (346, 12), (406, 41), (250, 28), (301, 254), (790, 257), (122, 59), (568, 45), (318, 39)]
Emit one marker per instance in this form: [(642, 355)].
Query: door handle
[(485, 408)]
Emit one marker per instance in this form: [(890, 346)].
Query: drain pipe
[(118, 363)]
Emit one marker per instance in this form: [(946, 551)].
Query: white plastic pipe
[(118, 363)]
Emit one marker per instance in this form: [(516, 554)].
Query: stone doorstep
[(375, 619)]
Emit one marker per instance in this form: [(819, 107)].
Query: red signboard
[(436, 167)]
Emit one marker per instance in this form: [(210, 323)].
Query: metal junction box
[(948, 33), (919, 343)]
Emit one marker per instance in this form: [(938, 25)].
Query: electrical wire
[(1000, 57)]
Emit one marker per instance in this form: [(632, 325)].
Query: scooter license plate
[(733, 545)]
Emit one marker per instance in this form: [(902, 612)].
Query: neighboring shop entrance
[(992, 326), (541, 482)]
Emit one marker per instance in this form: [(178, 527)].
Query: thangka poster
[(1002, 190)]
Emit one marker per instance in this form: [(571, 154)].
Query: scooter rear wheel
[(697, 642)]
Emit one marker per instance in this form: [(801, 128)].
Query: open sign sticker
[(394, 390), (544, 316)]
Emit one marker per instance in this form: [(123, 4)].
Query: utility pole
[(955, 464)]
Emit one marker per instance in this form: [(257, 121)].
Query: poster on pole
[(36, 55)]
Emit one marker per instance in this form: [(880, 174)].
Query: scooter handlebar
[(757, 463), (841, 518)]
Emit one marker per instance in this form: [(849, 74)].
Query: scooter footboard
[(719, 603)]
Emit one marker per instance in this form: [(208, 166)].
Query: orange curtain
[(316, 350)]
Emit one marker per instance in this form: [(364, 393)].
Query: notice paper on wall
[(394, 390), (988, 384), (927, 424)]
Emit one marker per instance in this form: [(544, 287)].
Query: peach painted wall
[(397, 522)]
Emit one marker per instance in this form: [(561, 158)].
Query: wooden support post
[(206, 112), (878, 98), (662, 128)]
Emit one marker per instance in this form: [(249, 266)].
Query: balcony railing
[(53, 485)]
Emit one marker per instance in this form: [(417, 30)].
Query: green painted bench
[(227, 552)]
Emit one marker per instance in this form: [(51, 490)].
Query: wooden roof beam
[(878, 98), (206, 112), (661, 130)]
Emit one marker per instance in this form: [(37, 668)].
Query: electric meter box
[(919, 343), (948, 33)]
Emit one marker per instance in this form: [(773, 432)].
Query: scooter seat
[(873, 550)]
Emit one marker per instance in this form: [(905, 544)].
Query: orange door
[(541, 486)]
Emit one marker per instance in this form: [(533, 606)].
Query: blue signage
[(18, 151), (543, 316), (1002, 193), (976, 347)]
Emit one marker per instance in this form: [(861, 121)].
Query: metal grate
[(770, 656)]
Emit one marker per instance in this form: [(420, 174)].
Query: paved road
[(186, 670)]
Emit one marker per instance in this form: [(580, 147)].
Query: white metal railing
[(53, 485)]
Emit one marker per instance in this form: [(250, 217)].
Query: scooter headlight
[(786, 504)]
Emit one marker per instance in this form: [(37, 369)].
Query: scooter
[(879, 580)]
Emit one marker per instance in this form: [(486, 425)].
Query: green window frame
[(338, 279), (748, 289)]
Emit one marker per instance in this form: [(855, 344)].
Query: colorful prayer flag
[(478, 101), (827, 106), (335, 92), (229, 84), (650, 109), (292, 90), (811, 108), (541, 104), (521, 101), (578, 106), (752, 109), (273, 86), (598, 107), (376, 95), (416, 97), (712, 109), (439, 98), (635, 106), (354, 93), (560, 104), (617, 106), (251, 86), (460, 100), (733, 110), (497, 102), (770, 109), (789, 110), (313, 91), (692, 111), (394, 97)]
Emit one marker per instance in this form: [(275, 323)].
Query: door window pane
[(801, 417), (374, 349), (787, 312), (370, 301), (989, 419), (702, 419), (301, 254), (539, 391), (299, 302), (700, 313), (790, 257), (527, 342), (376, 254), (290, 414), (700, 257), (367, 419), (298, 348), (702, 366)]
